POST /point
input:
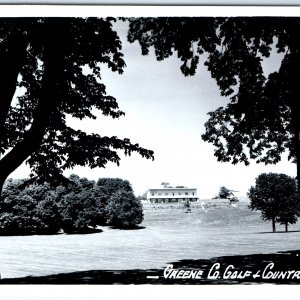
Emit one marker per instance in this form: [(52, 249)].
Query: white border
[(146, 292), (144, 11), (157, 2)]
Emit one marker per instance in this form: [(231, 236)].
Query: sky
[(166, 112)]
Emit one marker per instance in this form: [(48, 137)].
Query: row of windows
[(179, 193), (176, 200)]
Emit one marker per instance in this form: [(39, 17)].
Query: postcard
[(149, 146)]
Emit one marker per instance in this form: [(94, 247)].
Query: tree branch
[(11, 61), (53, 68)]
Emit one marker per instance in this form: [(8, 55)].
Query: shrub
[(47, 213), (23, 211), (80, 206), (124, 210), (77, 207)]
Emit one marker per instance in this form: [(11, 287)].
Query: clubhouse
[(172, 195)]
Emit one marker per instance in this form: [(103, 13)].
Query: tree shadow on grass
[(283, 261), (85, 231), (278, 231), (133, 227), (79, 231), (41, 233), (28, 233)]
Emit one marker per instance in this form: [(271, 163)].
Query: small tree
[(224, 193), (47, 213), (124, 210), (166, 184), (143, 196), (187, 205), (104, 189), (28, 209), (79, 206), (276, 196), (289, 212)]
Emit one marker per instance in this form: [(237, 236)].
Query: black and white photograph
[(151, 149)]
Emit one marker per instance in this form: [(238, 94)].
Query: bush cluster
[(79, 206)]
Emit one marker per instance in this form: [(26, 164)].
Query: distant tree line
[(79, 206)]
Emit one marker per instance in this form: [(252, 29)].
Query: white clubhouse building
[(172, 195)]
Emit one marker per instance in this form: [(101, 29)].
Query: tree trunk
[(11, 62), (273, 225), (298, 158), (286, 227), (48, 102), (295, 107), (2, 180)]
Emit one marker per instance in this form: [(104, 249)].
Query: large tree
[(57, 63), (276, 196), (261, 119)]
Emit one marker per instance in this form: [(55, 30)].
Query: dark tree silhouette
[(276, 196), (77, 207), (262, 117), (57, 62), (224, 193), (124, 210)]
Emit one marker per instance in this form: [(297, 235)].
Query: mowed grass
[(169, 235)]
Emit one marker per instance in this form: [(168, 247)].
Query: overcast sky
[(166, 112)]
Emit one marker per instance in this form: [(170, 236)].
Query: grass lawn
[(169, 235)]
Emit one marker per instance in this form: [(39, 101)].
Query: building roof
[(165, 189)]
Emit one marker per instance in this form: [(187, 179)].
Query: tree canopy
[(261, 119), (77, 207), (276, 196), (57, 62), (124, 210), (224, 193)]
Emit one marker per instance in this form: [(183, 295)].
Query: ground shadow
[(287, 262), (133, 227), (85, 231), (29, 233), (278, 231)]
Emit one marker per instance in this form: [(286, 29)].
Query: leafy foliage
[(166, 184), (224, 192), (124, 210), (261, 119), (78, 207), (60, 74), (28, 210), (276, 196), (189, 37)]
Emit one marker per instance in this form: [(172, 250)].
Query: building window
[(159, 194), (179, 193), (152, 194), (193, 194), (186, 193), (166, 194)]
